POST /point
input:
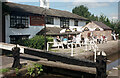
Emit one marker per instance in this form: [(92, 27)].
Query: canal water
[(114, 61)]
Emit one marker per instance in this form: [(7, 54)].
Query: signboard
[(37, 21)]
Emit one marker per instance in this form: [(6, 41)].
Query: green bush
[(35, 42), (35, 70)]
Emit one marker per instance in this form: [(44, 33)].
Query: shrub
[(34, 70), (35, 42)]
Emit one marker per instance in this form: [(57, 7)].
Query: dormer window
[(97, 29), (18, 21), (86, 29)]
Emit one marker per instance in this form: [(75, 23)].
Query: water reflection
[(115, 61)]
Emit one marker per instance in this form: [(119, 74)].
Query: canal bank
[(114, 73), (111, 48), (114, 43)]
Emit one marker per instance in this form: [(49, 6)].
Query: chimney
[(44, 4), (4, 0)]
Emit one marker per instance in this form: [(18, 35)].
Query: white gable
[(92, 26)]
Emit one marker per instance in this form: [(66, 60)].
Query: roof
[(102, 25), (54, 31), (27, 9), (50, 31)]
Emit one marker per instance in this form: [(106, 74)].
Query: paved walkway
[(79, 52), (114, 73), (7, 61)]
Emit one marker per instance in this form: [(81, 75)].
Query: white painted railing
[(91, 45), (61, 44)]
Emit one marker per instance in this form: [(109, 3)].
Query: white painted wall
[(81, 23), (4, 0), (71, 22), (91, 26), (57, 21), (32, 30), (79, 27)]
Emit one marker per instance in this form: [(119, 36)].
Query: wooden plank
[(68, 66)]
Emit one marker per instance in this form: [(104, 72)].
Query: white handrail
[(93, 46)]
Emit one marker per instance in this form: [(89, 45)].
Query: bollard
[(101, 61), (16, 56)]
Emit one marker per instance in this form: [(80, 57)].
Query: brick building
[(97, 29)]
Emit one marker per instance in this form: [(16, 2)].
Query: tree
[(81, 11)]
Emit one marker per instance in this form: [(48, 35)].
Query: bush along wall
[(36, 42)]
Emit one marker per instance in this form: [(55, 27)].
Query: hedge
[(35, 42)]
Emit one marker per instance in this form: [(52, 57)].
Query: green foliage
[(35, 70), (17, 70), (4, 70), (118, 68), (35, 42), (81, 11)]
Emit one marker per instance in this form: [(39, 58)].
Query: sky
[(97, 7)]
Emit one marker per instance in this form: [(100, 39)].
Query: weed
[(4, 70), (35, 70)]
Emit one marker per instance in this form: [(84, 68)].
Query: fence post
[(101, 61), (16, 56), (47, 46), (72, 49)]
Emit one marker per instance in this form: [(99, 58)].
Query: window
[(76, 22), (86, 29), (97, 29), (75, 29), (18, 21), (64, 23), (49, 20), (15, 38)]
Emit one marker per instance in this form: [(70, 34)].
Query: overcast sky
[(97, 7), (66, 0)]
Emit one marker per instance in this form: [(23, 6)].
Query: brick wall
[(106, 33)]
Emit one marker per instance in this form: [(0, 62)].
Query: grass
[(54, 50), (4, 70)]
